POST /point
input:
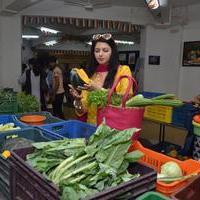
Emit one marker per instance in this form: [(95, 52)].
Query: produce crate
[(32, 134), (49, 117), (152, 196), (8, 106), (11, 119), (156, 160), (191, 191), (150, 95), (28, 184), (70, 129), (182, 116), (158, 113)]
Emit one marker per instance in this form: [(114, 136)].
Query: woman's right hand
[(74, 92)]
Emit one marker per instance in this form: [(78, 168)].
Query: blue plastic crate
[(70, 129), (151, 94), (34, 134), (49, 117), (4, 119), (182, 116)]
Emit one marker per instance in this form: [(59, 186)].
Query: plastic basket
[(150, 95), (70, 129), (159, 113), (191, 191), (152, 196), (11, 119), (8, 106), (182, 116), (156, 160), (49, 117), (28, 184), (33, 134)]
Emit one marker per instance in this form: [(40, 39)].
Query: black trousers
[(58, 106)]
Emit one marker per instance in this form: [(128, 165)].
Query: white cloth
[(35, 86)]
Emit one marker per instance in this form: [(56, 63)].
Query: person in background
[(52, 62), (58, 91), (103, 70), (34, 83), (196, 100)]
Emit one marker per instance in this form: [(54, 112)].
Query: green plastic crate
[(8, 102), (8, 107), (152, 196)]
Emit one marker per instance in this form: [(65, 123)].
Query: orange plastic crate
[(155, 160)]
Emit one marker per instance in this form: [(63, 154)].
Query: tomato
[(196, 118)]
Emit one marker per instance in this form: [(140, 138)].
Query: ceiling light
[(49, 30), (119, 42), (51, 43), (124, 42), (152, 4), (30, 36)]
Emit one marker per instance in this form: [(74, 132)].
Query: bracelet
[(77, 105)]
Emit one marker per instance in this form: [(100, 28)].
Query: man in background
[(34, 82)]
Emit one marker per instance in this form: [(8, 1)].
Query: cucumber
[(164, 96)]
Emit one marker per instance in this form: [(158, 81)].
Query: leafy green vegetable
[(81, 170), (27, 103), (99, 98)]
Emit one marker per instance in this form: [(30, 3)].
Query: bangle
[(77, 105)]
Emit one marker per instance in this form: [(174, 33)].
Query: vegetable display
[(27, 103), (8, 127), (99, 98), (81, 169), (171, 171)]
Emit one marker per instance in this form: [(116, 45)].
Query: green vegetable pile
[(27, 103), (99, 99), (8, 127), (7, 96), (81, 170)]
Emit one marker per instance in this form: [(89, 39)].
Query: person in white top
[(34, 82), (58, 92)]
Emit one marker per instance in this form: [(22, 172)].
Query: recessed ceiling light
[(48, 30), (30, 36)]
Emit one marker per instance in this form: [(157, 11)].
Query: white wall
[(163, 43), (10, 51), (170, 75), (190, 76)]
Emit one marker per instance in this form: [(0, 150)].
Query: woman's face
[(102, 53)]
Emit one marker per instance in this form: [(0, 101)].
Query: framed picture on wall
[(154, 60), (191, 53)]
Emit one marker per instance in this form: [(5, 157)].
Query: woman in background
[(103, 70), (58, 92)]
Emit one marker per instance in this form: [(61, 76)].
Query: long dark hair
[(113, 62)]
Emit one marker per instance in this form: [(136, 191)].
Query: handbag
[(121, 117)]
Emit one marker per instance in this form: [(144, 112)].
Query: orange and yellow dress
[(99, 78)]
